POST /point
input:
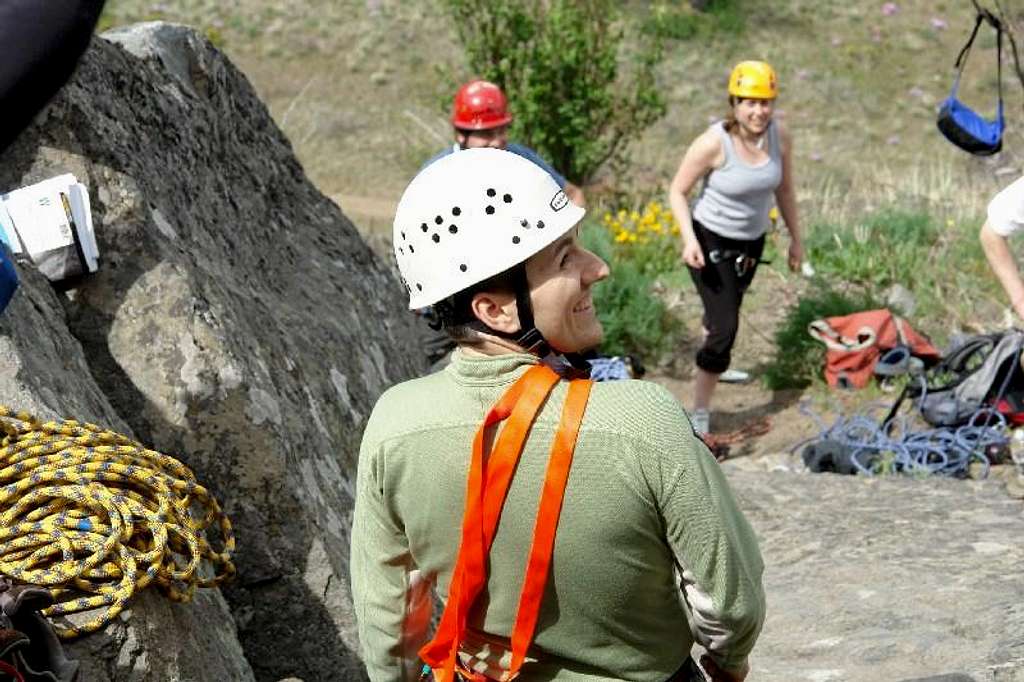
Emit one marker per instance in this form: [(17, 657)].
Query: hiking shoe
[(734, 376), (701, 420)]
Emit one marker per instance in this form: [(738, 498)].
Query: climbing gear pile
[(855, 343), (860, 444), (95, 517), (753, 80), (960, 124), (488, 480), (964, 405), (982, 371), (480, 105)]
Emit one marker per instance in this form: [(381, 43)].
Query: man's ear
[(496, 310), (460, 139)]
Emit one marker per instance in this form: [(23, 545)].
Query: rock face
[(237, 322), (895, 579), (44, 371)]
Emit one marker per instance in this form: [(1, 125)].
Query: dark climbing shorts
[(729, 266)]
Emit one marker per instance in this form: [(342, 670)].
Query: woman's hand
[(693, 255), (796, 255)]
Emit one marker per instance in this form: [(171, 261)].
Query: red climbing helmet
[(480, 105)]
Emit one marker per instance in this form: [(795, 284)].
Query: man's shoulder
[(638, 408), (525, 152), (396, 409)]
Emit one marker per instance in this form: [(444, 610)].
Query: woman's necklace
[(757, 146)]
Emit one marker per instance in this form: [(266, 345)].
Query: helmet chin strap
[(528, 337), (531, 338)]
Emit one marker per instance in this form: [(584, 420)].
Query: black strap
[(961, 59)]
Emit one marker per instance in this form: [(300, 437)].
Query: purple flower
[(889, 9), (939, 24), (916, 92), (836, 41), (816, 156), (893, 139)]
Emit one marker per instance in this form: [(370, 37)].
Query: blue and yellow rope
[(95, 517)]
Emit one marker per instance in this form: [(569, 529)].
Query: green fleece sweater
[(651, 550)]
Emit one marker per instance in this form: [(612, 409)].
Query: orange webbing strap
[(547, 521), (486, 489), (440, 653)]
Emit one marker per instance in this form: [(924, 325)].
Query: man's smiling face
[(561, 278)]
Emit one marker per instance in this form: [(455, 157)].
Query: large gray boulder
[(886, 579), (238, 320), (44, 371)]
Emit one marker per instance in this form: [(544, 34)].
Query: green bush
[(799, 358), (723, 17), (635, 319), (559, 64), (886, 247)]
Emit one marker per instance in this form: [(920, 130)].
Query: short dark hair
[(455, 313)]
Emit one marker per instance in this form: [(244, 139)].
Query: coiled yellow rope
[(95, 517)]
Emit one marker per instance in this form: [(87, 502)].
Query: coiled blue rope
[(894, 447)]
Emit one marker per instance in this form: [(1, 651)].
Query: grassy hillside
[(357, 86)]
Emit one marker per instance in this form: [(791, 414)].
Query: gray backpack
[(979, 369)]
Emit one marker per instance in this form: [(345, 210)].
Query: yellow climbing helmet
[(753, 79)]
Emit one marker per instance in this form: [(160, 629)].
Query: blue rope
[(894, 446)]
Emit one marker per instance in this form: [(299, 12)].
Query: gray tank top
[(735, 199)]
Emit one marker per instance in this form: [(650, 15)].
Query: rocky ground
[(867, 579), (895, 579)]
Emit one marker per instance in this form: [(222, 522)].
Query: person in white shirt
[(1005, 216)]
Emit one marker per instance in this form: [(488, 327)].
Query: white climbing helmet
[(471, 215)]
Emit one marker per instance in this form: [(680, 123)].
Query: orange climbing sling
[(487, 485)]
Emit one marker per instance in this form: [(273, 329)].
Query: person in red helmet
[(480, 118)]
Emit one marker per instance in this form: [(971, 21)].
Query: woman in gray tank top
[(746, 165)]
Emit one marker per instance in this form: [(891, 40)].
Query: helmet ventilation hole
[(453, 229), (525, 223), (463, 267), (411, 250), (456, 211), (436, 237), (515, 239), (507, 198), (419, 287), (540, 224), (489, 210), (491, 192), (438, 220), (423, 227)]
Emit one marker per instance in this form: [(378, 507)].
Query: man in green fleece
[(651, 553)]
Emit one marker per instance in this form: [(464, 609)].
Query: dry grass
[(355, 86)]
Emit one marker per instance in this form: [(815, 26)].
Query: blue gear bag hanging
[(961, 125)]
